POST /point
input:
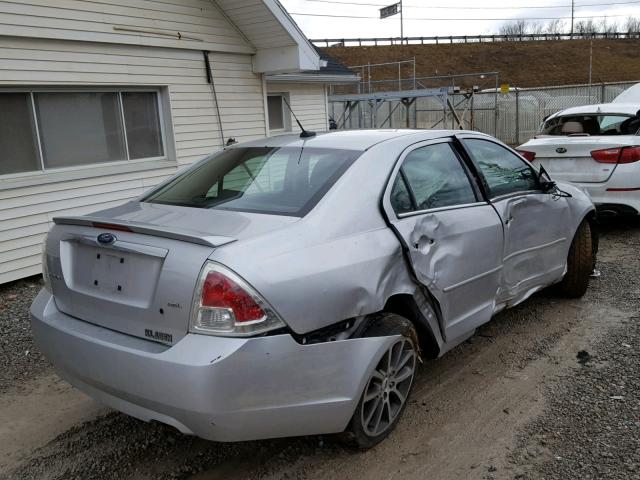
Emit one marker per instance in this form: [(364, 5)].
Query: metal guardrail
[(528, 37)]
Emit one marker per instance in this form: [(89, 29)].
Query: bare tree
[(585, 27), (632, 27), (518, 28), (536, 29), (556, 27), (606, 27)]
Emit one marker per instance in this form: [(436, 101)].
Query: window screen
[(79, 128), (18, 142), (436, 178), (504, 171), (142, 120)]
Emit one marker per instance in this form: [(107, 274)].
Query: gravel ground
[(591, 426), (513, 402), (20, 360)]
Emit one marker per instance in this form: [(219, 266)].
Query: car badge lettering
[(561, 150), (106, 238)]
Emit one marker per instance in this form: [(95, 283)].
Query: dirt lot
[(550, 389), (521, 64)]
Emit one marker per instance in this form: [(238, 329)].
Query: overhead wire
[(442, 7), (361, 17)]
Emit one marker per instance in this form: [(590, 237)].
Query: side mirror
[(544, 180)]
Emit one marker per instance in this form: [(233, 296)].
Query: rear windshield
[(272, 180), (615, 124)]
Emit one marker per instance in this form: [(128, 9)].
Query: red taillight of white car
[(226, 305), (617, 155), (530, 156)]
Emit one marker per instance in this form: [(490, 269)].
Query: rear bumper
[(617, 196), (224, 389)]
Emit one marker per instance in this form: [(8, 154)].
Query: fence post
[(517, 116), (602, 92)]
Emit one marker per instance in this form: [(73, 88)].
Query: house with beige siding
[(102, 99)]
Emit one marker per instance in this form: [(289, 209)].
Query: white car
[(596, 147)]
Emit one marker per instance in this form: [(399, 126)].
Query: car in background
[(289, 286), (596, 147)]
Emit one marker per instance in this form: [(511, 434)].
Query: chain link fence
[(513, 117)]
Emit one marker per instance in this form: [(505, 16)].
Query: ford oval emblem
[(561, 150), (106, 238)]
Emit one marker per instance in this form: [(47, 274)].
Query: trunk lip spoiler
[(190, 236)]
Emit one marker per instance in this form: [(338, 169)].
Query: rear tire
[(580, 264), (387, 390)]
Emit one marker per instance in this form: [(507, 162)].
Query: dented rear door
[(453, 238)]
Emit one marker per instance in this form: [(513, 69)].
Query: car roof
[(625, 108), (349, 139)]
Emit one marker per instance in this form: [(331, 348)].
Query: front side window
[(271, 180), (435, 179), (46, 130), (589, 124), (504, 171)]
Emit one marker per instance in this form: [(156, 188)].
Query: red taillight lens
[(630, 155), (224, 304), (617, 155), (530, 156), (219, 291), (608, 155)]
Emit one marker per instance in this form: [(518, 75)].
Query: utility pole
[(573, 8), (401, 24)]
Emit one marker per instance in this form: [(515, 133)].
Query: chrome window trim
[(440, 209), (522, 193)]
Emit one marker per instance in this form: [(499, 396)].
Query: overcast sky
[(420, 17)]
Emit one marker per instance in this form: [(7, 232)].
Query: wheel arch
[(406, 306)]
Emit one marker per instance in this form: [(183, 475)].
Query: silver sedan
[(289, 286)]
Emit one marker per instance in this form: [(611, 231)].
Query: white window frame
[(46, 175), (286, 114)]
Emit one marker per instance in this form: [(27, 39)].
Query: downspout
[(211, 82)]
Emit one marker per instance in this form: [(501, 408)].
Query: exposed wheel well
[(405, 306)]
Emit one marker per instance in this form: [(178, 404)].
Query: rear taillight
[(226, 305), (530, 156), (617, 155), (630, 155)]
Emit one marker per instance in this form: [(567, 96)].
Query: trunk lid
[(140, 277), (569, 158)]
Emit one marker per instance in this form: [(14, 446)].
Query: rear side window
[(271, 180), (588, 125), (435, 178), (504, 171)]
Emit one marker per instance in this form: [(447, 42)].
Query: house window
[(279, 121), (44, 130)]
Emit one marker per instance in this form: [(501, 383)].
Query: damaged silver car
[(289, 286)]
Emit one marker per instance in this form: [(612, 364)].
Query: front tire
[(388, 388), (580, 264)]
